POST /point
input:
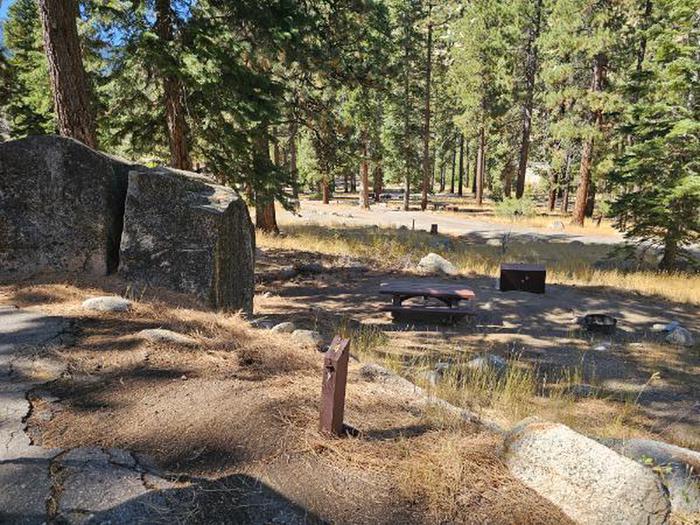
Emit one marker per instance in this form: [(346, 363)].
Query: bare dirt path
[(388, 216)]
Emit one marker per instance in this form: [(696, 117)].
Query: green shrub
[(514, 208)]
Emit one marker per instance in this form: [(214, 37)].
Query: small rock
[(557, 225), (434, 264), (494, 242), (488, 362), (308, 338), (267, 295), (589, 482), (161, 335), (680, 336), (665, 327), (603, 347), (107, 303), (310, 268), (284, 328), (265, 324)]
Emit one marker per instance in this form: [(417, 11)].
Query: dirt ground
[(234, 419), (633, 367)]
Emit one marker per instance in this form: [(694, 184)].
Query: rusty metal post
[(335, 376)]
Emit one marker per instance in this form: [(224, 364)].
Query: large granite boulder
[(591, 483), (184, 232), (61, 206)]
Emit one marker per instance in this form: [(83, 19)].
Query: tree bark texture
[(531, 64), (579, 213), (173, 95), (69, 83), (480, 163), (378, 181), (426, 116), (364, 175)]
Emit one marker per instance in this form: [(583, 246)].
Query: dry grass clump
[(566, 263), (463, 480), (257, 351)]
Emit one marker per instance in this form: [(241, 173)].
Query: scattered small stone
[(435, 264), (665, 327), (494, 242), (161, 335), (680, 336), (603, 347), (308, 338), (107, 303), (284, 328), (183, 377), (488, 362)]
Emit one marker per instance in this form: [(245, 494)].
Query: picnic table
[(450, 295)]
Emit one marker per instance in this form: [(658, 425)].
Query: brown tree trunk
[(460, 184), (407, 193), (587, 152), (346, 183), (69, 83), (476, 168), (507, 177), (325, 189), (480, 163), (530, 75), (426, 116), (173, 95), (552, 202), (443, 175), (364, 175), (353, 182), (590, 201), (265, 218), (378, 181), (293, 169), (454, 166)]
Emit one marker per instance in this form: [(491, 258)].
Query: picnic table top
[(430, 289)]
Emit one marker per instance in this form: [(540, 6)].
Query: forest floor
[(231, 424), (630, 384)]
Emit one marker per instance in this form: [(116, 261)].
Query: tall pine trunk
[(426, 116), (407, 192), (579, 214), (460, 184), (325, 189), (69, 83), (378, 177), (364, 174), (293, 169), (530, 76), (265, 217), (173, 94), (454, 162), (480, 165)]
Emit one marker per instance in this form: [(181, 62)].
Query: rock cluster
[(65, 207)]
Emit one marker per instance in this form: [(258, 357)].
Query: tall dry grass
[(566, 263)]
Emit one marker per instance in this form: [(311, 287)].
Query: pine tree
[(26, 101), (658, 172)]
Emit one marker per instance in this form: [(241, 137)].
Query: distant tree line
[(438, 96)]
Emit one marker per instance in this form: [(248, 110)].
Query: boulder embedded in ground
[(678, 468), (488, 362), (665, 327), (61, 206), (107, 303), (591, 483), (162, 335), (284, 328), (307, 338), (680, 336), (186, 233), (435, 264)]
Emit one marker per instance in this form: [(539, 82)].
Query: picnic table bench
[(450, 295)]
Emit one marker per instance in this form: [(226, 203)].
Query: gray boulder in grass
[(61, 206), (591, 483), (307, 338), (680, 336), (163, 335), (435, 264), (678, 468), (184, 232), (107, 303)]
